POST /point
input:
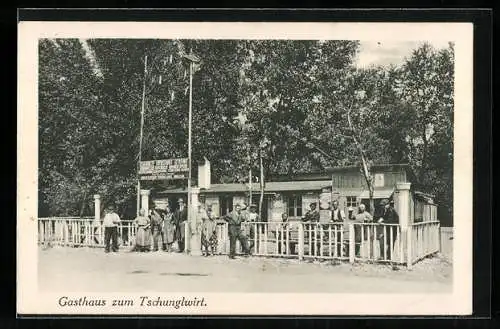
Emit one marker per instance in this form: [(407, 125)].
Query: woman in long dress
[(168, 230), (143, 235)]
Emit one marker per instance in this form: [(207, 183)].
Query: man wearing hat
[(312, 218), (234, 219), (312, 215), (180, 218), (338, 217), (110, 222), (387, 215)]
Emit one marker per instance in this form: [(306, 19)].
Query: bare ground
[(91, 270)]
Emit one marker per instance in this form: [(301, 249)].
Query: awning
[(377, 194)]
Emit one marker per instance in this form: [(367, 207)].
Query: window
[(351, 202), (294, 204), (379, 180), (226, 205)]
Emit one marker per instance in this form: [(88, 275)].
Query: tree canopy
[(299, 105)]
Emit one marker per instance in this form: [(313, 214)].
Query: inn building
[(293, 195)]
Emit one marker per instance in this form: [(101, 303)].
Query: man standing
[(312, 215), (338, 217), (110, 222), (311, 218), (180, 221), (387, 215), (245, 227), (234, 219), (363, 216), (251, 218)]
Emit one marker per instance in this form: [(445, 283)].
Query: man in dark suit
[(180, 218), (311, 220), (387, 215), (234, 219)]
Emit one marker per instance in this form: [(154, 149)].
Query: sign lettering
[(164, 169)]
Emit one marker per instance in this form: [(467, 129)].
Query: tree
[(347, 115), (425, 86), (68, 98)]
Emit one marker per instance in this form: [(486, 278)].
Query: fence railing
[(385, 243), (377, 242), (78, 231), (423, 240)]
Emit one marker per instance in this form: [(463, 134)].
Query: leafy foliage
[(297, 105)]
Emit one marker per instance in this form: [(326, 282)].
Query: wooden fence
[(353, 242), (81, 232)]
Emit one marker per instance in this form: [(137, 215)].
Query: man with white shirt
[(338, 217), (110, 222)]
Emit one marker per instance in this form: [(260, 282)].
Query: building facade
[(293, 195)]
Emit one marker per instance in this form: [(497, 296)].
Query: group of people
[(384, 214), (161, 227), (242, 233)]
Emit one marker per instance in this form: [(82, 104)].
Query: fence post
[(41, 232), (352, 243), (66, 233), (409, 244), (439, 238), (301, 241)]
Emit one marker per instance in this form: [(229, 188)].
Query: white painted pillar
[(97, 207), (194, 231), (145, 200), (403, 204)]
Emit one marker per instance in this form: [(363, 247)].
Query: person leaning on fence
[(387, 215), (363, 216), (143, 233), (311, 218), (252, 218), (286, 228), (351, 219), (338, 217), (110, 222), (209, 233), (234, 219), (245, 227), (180, 218), (168, 229)]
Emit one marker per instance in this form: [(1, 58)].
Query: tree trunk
[(84, 202), (250, 186), (365, 169)]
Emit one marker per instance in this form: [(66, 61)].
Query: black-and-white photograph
[(205, 165)]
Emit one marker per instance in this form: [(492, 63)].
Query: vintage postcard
[(244, 168)]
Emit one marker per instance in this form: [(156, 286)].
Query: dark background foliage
[(284, 101)]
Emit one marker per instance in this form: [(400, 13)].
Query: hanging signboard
[(164, 169)]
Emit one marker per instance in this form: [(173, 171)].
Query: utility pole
[(141, 135), (195, 237), (189, 201)]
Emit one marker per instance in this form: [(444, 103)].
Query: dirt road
[(82, 269)]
